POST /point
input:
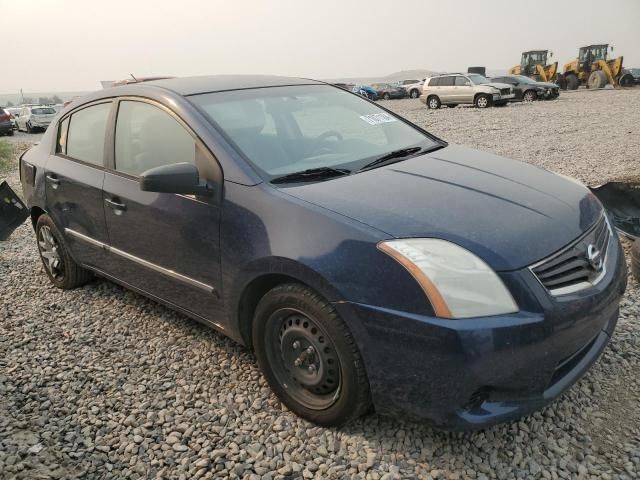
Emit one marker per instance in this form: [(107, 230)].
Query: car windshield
[(42, 111), (478, 79), (522, 79), (282, 130)]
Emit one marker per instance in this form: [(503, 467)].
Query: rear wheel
[(433, 102), (414, 93), (309, 357), (452, 105), (529, 96), (482, 101), (597, 79), (572, 81), (61, 269)]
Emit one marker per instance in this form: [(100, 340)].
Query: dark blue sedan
[(365, 261)]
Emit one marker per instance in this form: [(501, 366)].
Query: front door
[(73, 183), (463, 90), (164, 244)]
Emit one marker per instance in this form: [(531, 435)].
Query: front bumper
[(472, 373), (497, 97)]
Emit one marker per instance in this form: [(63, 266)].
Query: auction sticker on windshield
[(378, 118)]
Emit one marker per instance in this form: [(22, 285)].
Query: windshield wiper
[(311, 174), (404, 152)]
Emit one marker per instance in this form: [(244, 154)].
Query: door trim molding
[(145, 263)]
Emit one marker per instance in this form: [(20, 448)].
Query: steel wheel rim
[(50, 253), (303, 358), (482, 102)]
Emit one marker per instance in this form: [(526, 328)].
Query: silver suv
[(457, 88)]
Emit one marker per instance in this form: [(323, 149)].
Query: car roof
[(218, 83)]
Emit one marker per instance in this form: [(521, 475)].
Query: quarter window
[(148, 137), (61, 146), (86, 131), (434, 82)]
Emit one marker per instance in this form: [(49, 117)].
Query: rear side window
[(434, 82), (85, 138), (447, 81), (148, 137), (43, 111)]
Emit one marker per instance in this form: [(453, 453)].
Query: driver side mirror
[(175, 178)]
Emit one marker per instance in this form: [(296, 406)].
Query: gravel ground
[(100, 382)]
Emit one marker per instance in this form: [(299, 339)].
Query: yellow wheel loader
[(593, 69), (534, 64)]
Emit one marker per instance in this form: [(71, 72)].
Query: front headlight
[(457, 283)]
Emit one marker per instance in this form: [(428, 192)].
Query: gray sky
[(65, 45)]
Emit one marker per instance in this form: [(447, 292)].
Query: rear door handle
[(117, 207), (53, 180)]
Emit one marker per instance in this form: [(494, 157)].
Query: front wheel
[(29, 128), (386, 96), (572, 81), (635, 260), (61, 269), (482, 101), (309, 357), (529, 96), (433, 103)]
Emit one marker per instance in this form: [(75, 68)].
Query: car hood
[(545, 84), (497, 85), (509, 213)]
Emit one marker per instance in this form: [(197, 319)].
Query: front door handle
[(53, 180), (117, 207)]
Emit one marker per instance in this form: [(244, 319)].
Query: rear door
[(74, 175), (445, 89), (164, 244)]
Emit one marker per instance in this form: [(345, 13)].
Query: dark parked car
[(388, 91), (635, 73), (6, 125), (528, 90), (365, 261)]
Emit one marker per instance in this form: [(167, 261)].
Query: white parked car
[(413, 87), (34, 117)]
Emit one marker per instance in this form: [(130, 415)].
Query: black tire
[(67, 274), (452, 105), (433, 102), (561, 81), (482, 101), (386, 96), (572, 81), (635, 260), (29, 129), (626, 80), (291, 319), (530, 96), (414, 93)]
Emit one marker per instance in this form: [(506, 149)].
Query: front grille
[(505, 91), (571, 269)]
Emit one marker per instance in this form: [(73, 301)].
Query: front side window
[(461, 81), (149, 137), (281, 130), (86, 133)]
